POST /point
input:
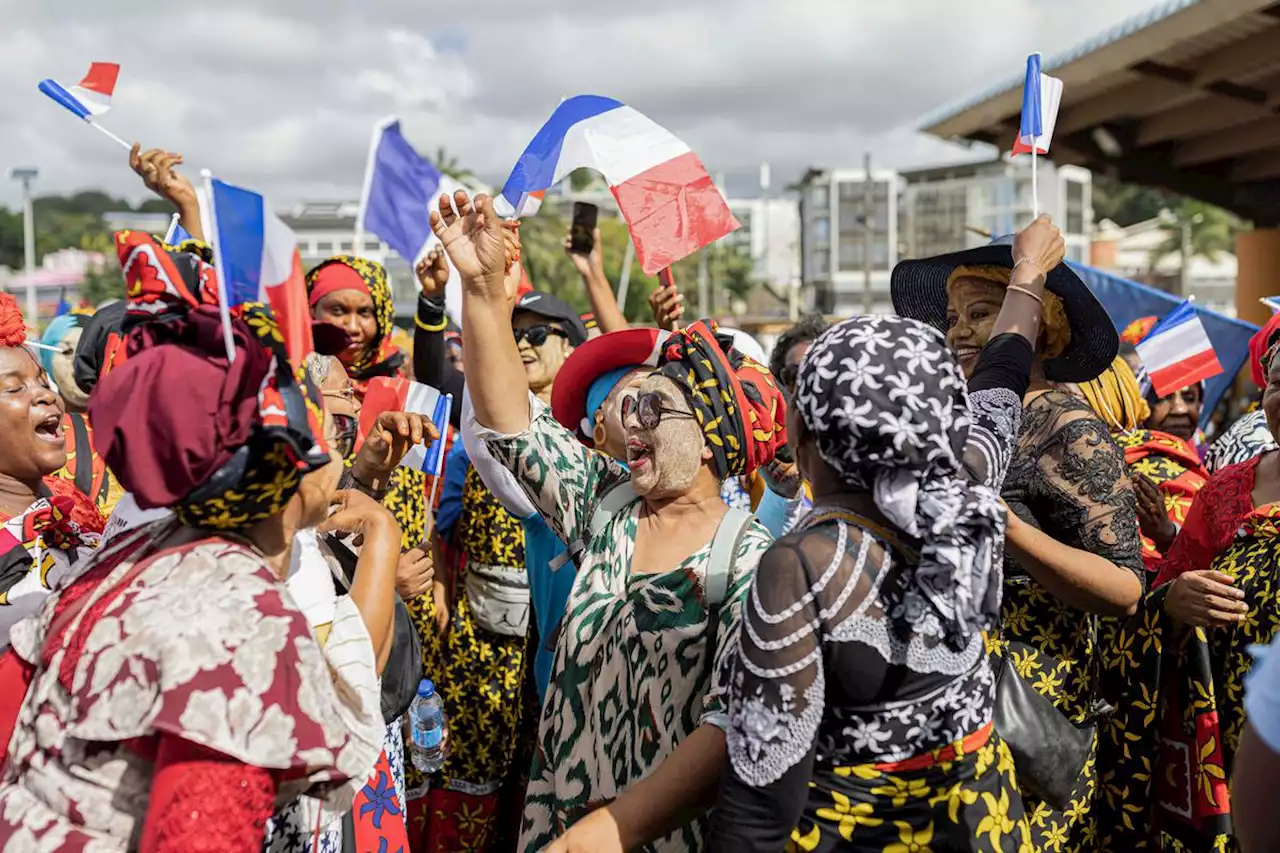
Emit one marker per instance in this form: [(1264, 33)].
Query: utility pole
[(27, 176), (868, 221)]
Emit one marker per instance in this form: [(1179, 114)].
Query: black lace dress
[(1068, 478), (848, 731)]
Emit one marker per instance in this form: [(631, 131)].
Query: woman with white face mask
[(635, 712)]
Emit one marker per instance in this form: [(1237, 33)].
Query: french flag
[(91, 96), (394, 394), (257, 259), (1041, 97), (1177, 352), (401, 188), (671, 205)]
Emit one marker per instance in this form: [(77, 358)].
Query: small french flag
[(1177, 352), (670, 203), (1041, 97), (1272, 302), (91, 96), (394, 394)]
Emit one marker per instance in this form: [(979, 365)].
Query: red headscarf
[(1260, 345), (1138, 329), (740, 409), (13, 331)]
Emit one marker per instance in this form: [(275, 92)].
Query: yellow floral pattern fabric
[(960, 797)]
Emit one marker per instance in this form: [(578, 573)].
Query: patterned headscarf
[(888, 407), (740, 409), (380, 356), (1262, 349), (224, 444)]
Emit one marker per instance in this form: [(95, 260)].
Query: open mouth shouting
[(49, 429), (638, 454)]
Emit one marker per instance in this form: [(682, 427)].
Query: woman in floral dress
[(862, 698), (631, 743), (173, 696), (1074, 551)]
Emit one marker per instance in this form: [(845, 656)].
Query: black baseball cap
[(556, 309)]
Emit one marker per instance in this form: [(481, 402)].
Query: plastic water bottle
[(426, 724)]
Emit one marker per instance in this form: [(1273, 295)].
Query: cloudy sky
[(280, 96)]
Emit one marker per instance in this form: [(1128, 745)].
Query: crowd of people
[(955, 579)]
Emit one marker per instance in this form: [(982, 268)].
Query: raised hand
[(473, 238), (1153, 518), (387, 443), (156, 168), (667, 305), (1040, 244), (433, 273), (588, 265)]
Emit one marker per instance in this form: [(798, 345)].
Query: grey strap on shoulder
[(724, 550), (611, 503)]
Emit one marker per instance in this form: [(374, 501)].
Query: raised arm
[(157, 169), (603, 302), (430, 366)]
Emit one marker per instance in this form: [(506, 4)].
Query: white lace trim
[(765, 742)]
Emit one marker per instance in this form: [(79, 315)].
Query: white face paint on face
[(615, 431), (665, 460)]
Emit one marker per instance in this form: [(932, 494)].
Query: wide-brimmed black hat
[(919, 290)]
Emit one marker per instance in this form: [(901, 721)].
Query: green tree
[(1127, 204), (1212, 231), (104, 282)]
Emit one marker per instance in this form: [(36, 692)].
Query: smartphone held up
[(582, 228)]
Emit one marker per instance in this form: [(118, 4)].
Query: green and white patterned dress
[(633, 675)]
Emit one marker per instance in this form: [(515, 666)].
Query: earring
[(598, 434)]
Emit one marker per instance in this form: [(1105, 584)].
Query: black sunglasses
[(536, 335), (649, 409)]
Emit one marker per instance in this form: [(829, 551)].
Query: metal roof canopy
[(1185, 97)]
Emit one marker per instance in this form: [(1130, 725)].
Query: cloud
[(281, 96)]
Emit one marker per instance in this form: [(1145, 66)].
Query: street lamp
[(27, 175)]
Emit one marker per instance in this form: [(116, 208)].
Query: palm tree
[(451, 166), (1207, 231)]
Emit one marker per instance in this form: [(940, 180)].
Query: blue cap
[(426, 689)]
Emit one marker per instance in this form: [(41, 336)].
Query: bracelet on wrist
[(1029, 262)]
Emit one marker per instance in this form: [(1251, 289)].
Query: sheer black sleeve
[(430, 367), (808, 592), (1005, 362)]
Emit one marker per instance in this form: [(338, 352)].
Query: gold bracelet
[(426, 327), (1030, 293), (1022, 261)]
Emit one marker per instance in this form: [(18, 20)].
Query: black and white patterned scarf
[(888, 407)]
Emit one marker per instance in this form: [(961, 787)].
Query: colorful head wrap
[(380, 356), (1116, 397), (1055, 327), (740, 409), (1262, 349), (224, 444), (888, 407), (1138, 329), (13, 330)]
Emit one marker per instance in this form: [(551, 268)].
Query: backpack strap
[(724, 550), (84, 456), (612, 502)]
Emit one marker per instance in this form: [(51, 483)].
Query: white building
[(837, 207), (948, 208), (770, 233)]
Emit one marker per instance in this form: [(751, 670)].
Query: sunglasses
[(649, 410), (536, 335)]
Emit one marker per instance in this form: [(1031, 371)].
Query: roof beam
[(1251, 55), (1256, 135), (1140, 98), (1257, 167), (1207, 115)]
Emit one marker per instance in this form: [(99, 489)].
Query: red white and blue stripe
[(395, 394), (257, 259), (671, 205), (91, 96), (1177, 352), (1041, 98)]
